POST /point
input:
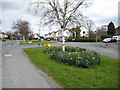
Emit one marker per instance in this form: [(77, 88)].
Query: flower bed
[(74, 56)]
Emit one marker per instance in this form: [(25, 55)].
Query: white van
[(117, 38)]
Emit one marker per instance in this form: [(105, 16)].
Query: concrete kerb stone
[(46, 77)]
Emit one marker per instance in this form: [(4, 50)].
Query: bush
[(84, 40), (74, 56), (105, 36)]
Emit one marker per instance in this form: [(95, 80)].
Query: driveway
[(19, 72)]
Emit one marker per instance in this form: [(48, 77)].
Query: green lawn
[(36, 42), (104, 75)]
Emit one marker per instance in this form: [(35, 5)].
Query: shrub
[(74, 56), (84, 40), (105, 36)]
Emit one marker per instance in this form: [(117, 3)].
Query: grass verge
[(36, 42), (104, 75)]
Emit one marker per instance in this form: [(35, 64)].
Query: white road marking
[(7, 55)]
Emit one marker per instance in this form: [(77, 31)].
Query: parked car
[(48, 39), (109, 40), (117, 38), (4, 40)]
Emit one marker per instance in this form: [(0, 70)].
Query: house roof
[(118, 28), (117, 31), (3, 33), (68, 30), (46, 34), (55, 31)]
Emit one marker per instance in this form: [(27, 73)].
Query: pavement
[(19, 72)]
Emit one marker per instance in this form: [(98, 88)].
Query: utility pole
[(96, 36)]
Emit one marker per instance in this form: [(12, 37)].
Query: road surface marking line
[(7, 55)]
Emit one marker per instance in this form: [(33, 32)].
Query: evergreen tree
[(77, 30), (111, 29)]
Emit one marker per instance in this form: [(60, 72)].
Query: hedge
[(84, 40)]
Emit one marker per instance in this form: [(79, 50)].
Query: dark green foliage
[(111, 29), (105, 36), (77, 30), (74, 56), (84, 40), (73, 35)]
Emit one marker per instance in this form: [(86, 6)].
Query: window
[(67, 33), (83, 32)]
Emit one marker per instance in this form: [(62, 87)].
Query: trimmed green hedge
[(84, 40), (106, 36)]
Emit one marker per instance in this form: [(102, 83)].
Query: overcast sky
[(101, 12)]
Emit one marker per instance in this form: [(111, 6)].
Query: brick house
[(117, 31)]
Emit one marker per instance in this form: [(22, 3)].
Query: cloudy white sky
[(101, 12)]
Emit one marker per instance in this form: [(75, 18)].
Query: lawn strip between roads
[(104, 75)]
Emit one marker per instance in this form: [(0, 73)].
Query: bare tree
[(90, 26), (102, 30), (17, 35), (92, 34), (23, 27), (64, 13)]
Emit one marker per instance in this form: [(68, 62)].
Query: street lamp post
[(96, 36)]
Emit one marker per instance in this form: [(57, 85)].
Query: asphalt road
[(111, 49), (19, 72)]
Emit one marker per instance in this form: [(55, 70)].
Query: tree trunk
[(63, 40), (24, 39)]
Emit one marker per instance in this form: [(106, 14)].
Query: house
[(117, 31), (84, 32), (54, 35), (3, 35), (36, 36), (46, 36), (67, 33)]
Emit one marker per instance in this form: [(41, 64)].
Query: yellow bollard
[(47, 45)]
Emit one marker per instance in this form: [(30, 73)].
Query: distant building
[(3, 35), (36, 36), (117, 31), (84, 32), (57, 35)]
